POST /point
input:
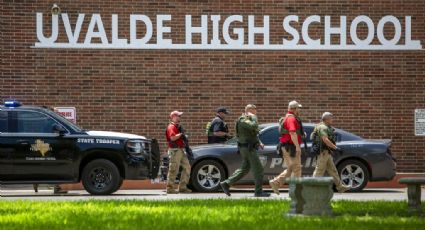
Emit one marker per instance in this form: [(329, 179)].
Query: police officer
[(323, 133), (291, 131), (247, 133), (218, 131), (177, 156)]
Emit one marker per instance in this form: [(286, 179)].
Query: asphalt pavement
[(24, 193)]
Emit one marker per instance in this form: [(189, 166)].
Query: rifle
[(187, 148), (303, 136)]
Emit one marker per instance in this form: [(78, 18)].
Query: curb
[(147, 184)]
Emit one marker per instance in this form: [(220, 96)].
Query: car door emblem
[(41, 147)]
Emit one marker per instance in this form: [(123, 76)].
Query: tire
[(101, 177), (121, 180), (354, 173), (207, 175)]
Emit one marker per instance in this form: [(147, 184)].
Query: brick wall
[(372, 93)]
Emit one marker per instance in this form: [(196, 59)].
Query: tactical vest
[(245, 136), (173, 143), (283, 130), (207, 129), (318, 144)]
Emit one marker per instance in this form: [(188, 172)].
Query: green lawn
[(200, 214)]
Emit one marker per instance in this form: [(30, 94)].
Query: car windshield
[(62, 119)]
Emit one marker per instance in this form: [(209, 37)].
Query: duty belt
[(250, 146)]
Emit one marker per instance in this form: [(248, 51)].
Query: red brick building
[(372, 84)]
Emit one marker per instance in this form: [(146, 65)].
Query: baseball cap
[(294, 105), (326, 115), (175, 113), (222, 110)]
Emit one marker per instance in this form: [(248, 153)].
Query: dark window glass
[(3, 121), (33, 122), (346, 136), (270, 137), (308, 130)]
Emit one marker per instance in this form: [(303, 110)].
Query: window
[(308, 130), (33, 122), (3, 121), (270, 136)]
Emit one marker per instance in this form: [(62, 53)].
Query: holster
[(290, 148), (279, 149)]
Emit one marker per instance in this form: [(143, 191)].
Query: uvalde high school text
[(111, 39)]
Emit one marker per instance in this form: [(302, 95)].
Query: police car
[(39, 146), (362, 161)]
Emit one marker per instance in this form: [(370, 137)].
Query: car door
[(275, 164), (39, 152), (6, 148), (268, 155), (272, 162), (308, 160)]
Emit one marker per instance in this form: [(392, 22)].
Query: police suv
[(39, 146)]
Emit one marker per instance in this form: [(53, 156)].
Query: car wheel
[(121, 180), (101, 177), (206, 176), (354, 174)]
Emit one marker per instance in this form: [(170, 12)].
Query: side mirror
[(59, 129)]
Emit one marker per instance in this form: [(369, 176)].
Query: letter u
[(40, 36)]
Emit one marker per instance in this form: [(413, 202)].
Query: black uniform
[(217, 125)]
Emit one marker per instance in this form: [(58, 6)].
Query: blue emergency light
[(11, 103)]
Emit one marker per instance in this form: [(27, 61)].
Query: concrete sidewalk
[(75, 195)]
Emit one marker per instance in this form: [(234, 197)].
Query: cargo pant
[(177, 158), (250, 160), (325, 164), (293, 167)]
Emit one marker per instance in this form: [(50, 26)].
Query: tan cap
[(294, 105), (175, 113)]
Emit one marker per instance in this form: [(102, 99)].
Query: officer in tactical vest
[(324, 135), (217, 129), (291, 134), (177, 155), (247, 133)]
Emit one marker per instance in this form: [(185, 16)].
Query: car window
[(270, 136), (33, 122), (346, 136), (232, 141), (65, 121), (3, 121), (308, 130)]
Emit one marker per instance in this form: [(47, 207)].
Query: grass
[(200, 214)]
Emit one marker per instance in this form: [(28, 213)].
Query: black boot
[(58, 190), (225, 187), (262, 194)]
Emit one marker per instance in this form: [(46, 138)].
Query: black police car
[(39, 146)]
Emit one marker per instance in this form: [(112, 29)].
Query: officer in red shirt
[(177, 155), (291, 132)]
